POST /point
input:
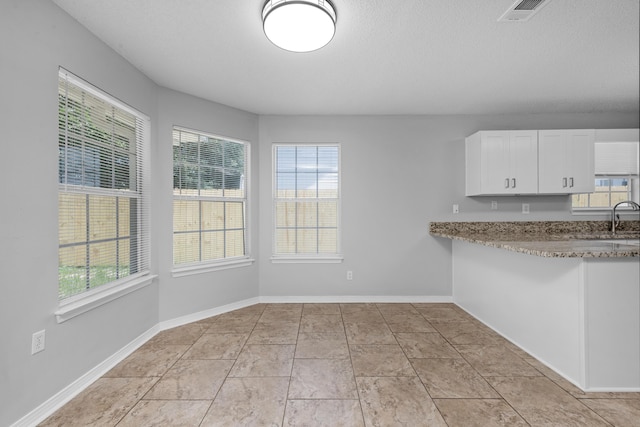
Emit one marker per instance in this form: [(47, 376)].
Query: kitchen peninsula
[(567, 292)]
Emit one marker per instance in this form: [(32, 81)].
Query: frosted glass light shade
[(299, 25)]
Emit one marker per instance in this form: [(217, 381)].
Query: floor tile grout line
[(293, 360), (503, 398), (424, 386), (477, 372), (484, 378), (474, 368), (579, 401), (154, 384), (506, 345), (221, 384), (230, 369), (353, 370)]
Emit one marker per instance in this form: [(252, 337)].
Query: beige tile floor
[(339, 365)]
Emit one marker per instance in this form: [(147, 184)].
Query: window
[(609, 190), (616, 177), (209, 199), (307, 202), (102, 200)]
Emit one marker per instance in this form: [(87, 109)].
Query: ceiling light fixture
[(299, 25)]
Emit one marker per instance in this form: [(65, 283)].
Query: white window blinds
[(209, 198), (103, 203), (616, 158), (306, 200)]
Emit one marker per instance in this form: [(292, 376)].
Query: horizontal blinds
[(208, 166), (616, 158), (209, 206), (103, 203), (306, 199)]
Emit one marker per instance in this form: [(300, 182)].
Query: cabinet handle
[(513, 182), (564, 182), (571, 182), (506, 183)]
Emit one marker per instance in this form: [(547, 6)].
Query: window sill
[(75, 307), (207, 268), (282, 259), (606, 211)]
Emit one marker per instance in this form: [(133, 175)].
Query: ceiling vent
[(522, 10)]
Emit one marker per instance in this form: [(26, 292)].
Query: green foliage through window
[(101, 213), (202, 162), (209, 206)]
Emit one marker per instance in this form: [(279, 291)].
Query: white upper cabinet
[(566, 161), (502, 162)]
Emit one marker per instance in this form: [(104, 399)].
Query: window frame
[(616, 161), (305, 258), (90, 298), (634, 181), (205, 266)]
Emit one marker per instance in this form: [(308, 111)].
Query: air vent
[(522, 10)]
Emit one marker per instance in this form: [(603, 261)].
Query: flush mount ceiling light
[(299, 25)]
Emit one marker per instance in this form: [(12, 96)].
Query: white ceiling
[(387, 57)]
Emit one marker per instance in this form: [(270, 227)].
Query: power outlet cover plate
[(37, 342)]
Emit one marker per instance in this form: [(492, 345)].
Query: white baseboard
[(200, 315), (195, 317), (58, 400), (357, 299), (612, 389), (54, 403)]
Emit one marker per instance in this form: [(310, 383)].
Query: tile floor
[(338, 365)]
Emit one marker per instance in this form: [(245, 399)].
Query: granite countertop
[(556, 239)]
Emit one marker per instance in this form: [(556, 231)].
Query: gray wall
[(411, 163), (398, 174), (190, 294), (37, 37)]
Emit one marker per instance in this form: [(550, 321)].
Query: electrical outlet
[(456, 209), (525, 208), (494, 205), (349, 275), (37, 342)]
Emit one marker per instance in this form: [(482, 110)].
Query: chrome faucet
[(615, 219)]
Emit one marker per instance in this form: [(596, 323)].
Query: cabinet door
[(523, 162), (565, 163), (580, 161), (494, 153), (552, 162)]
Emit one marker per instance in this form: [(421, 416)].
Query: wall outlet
[(456, 209), (37, 342), (349, 275), (525, 208), (494, 205)]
